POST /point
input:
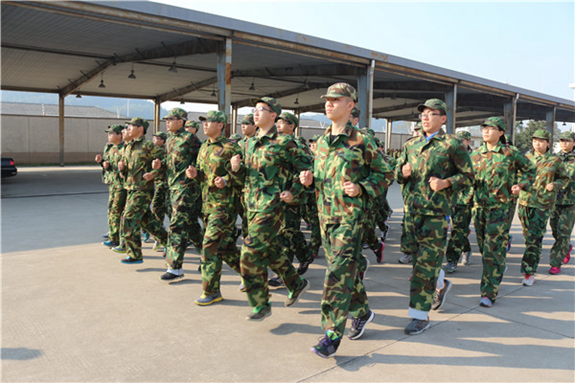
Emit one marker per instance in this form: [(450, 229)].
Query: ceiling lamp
[(296, 101), (252, 87), (182, 102), (213, 93), (173, 68), (102, 82), (132, 75), (78, 95)]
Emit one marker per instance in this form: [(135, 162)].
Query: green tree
[(523, 133)]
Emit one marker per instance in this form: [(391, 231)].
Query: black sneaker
[(170, 277), (130, 260), (379, 252), (260, 313), (439, 297), (385, 232), (276, 281), (358, 325), (294, 296), (327, 346), (416, 326), (106, 236), (303, 266), (450, 267)]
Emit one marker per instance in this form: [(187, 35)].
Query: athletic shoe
[(509, 242), (379, 252), (171, 277), (130, 260), (242, 287), (295, 295), (106, 236), (555, 270), (111, 243), (303, 266), (450, 267), (385, 232), (145, 236), (327, 345), (362, 275), (416, 326), (276, 281), (439, 297), (365, 246), (208, 299), (405, 259), (529, 280), (568, 256), (485, 302), (260, 313), (157, 246), (120, 249), (358, 325), (466, 258)]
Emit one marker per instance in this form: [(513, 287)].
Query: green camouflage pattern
[(495, 122), (408, 240), (341, 89), (116, 204), (235, 137), (458, 241), (292, 240), (433, 103), (215, 116), (115, 128), (496, 171), (566, 195), (492, 233), (178, 113), (193, 124), (534, 223), (541, 133), (248, 119), (182, 148), (272, 103), (139, 121), (310, 216), (105, 154), (113, 155), (550, 169), (137, 157), (562, 221), (355, 112), (463, 135), (570, 136), (161, 135), (289, 118)]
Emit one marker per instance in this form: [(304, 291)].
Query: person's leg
[(562, 221), (496, 231), (137, 204), (534, 226), (179, 227)]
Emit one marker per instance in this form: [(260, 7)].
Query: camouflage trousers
[(368, 232), (196, 233), (181, 225), (260, 251), (458, 241), (310, 216), (218, 247), (160, 203), (343, 289), (428, 235), (534, 222), (116, 204), (292, 240), (241, 213), (137, 216), (408, 242), (492, 232), (382, 210), (562, 221)]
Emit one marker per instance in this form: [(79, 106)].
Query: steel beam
[(224, 75), (451, 101)]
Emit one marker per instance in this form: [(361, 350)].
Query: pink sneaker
[(568, 256), (555, 270)]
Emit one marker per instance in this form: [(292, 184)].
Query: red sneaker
[(555, 270), (568, 256)]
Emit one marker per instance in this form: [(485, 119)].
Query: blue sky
[(526, 44)]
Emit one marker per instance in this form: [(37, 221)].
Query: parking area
[(72, 312)]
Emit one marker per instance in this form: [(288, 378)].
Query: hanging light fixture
[(132, 75), (182, 102), (296, 100), (252, 87), (564, 124), (173, 68), (78, 95), (102, 82), (213, 92)]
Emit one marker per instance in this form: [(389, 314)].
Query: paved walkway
[(72, 312)]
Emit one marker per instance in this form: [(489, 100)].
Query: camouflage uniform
[(117, 196), (137, 157), (159, 202), (496, 171), (563, 214), (349, 156), (425, 224), (271, 165), (535, 204), (220, 208)]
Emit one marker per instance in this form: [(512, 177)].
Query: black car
[(8, 167)]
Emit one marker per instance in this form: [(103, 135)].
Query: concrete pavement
[(72, 312)]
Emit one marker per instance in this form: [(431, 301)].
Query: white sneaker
[(405, 259), (529, 280)]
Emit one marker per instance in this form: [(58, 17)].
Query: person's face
[(114, 138), (173, 124), (540, 145), (285, 127), (191, 129), (313, 146), (264, 115), (432, 120), (466, 143), (157, 141), (135, 131), (566, 145), (491, 134), (248, 129), (125, 134), (338, 108), (213, 129)]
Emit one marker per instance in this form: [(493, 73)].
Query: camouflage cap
[(177, 112), (418, 126), (541, 133), (193, 124), (215, 116), (289, 117), (235, 137), (139, 121), (272, 103), (248, 119), (162, 135), (315, 138), (433, 103), (115, 128), (567, 136), (463, 135), (496, 122), (341, 89), (355, 112)]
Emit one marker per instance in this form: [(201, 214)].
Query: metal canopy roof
[(71, 47)]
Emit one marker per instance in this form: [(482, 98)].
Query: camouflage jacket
[(213, 161), (105, 156), (113, 157), (272, 164), (444, 157), (349, 156), (465, 195), (138, 156), (160, 181), (549, 169), (182, 149), (566, 196), (496, 171)]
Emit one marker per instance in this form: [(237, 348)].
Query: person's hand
[(306, 177), (106, 164), (148, 176), (156, 164), (286, 196), (235, 162), (191, 172), (406, 170), (350, 188), (98, 158), (437, 184), (121, 165), (220, 182), (515, 189), (550, 186)]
